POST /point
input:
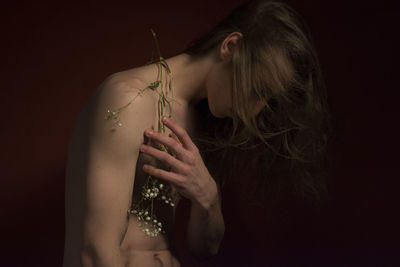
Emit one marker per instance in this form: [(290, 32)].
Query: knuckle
[(180, 182), (191, 159), (186, 170), (170, 160), (172, 143), (157, 172), (182, 132), (166, 157)]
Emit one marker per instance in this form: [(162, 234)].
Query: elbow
[(214, 251), (203, 256), (207, 253), (206, 249)]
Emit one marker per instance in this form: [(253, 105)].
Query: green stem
[(158, 49)]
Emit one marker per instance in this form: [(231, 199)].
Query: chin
[(217, 114), (212, 111)]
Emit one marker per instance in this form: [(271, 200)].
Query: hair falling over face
[(275, 63)]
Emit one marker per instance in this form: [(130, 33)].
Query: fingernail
[(164, 119)]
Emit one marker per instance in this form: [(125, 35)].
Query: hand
[(188, 171)]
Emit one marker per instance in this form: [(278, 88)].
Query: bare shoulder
[(122, 85), (118, 109), (126, 80), (115, 115), (133, 105)]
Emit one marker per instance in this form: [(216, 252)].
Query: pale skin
[(188, 172), (95, 156), (193, 181)]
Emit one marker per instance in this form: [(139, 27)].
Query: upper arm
[(101, 166)]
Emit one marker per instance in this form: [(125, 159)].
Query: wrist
[(209, 200)]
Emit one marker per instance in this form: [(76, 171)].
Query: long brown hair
[(275, 61)]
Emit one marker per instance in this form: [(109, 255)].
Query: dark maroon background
[(55, 55)]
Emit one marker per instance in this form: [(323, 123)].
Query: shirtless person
[(99, 180), (259, 58)]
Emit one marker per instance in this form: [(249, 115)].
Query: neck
[(189, 78), (188, 81)]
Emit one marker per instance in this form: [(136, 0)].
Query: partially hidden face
[(219, 91)]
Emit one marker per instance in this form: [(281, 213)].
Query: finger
[(162, 174), (175, 164), (181, 133), (176, 148), (172, 135)]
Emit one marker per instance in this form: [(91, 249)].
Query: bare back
[(137, 249)]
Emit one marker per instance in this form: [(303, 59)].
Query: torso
[(139, 249)]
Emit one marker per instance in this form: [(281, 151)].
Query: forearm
[(205, 228), (110, 257)]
